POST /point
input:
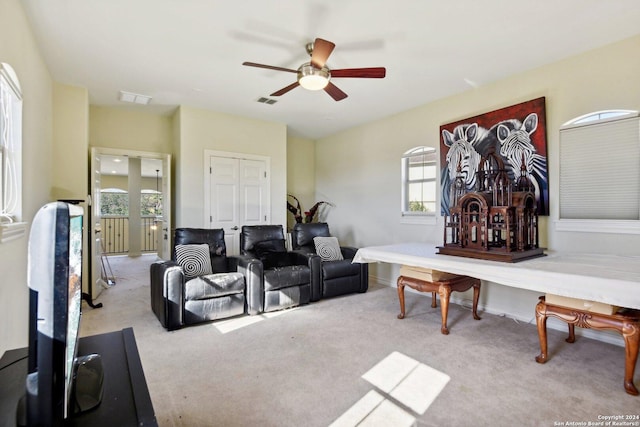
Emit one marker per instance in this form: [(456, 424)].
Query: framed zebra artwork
[(516, 133)]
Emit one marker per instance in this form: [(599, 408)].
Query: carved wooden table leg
[(476, 298), (627, 322), (631, 335), (444, 290), (572, 334), (401, 296), (541, 322)]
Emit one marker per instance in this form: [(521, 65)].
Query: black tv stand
[(125, 399)]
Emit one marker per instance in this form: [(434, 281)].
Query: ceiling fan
[(315, 75)]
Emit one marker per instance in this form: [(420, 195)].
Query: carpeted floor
[(349, 361)]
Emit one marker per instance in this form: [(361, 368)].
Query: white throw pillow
[(328, 248), (194, 259)]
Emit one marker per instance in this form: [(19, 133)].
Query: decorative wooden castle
[(498, 220)]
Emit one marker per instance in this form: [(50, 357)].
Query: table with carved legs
[(626, 322), (443, 288)]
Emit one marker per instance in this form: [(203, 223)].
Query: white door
[(93, 225), (164, 234), (238, 193)]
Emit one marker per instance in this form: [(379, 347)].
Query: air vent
[(269, 101), (134, 98)]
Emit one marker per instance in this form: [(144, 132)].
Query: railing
[(115, 234)]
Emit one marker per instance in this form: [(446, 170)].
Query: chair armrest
[(314, 262), (167, 293), (232, 263), (364, 277), (348, 252), (252, 270), (299, 257)]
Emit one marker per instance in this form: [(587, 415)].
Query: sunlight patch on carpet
[(226, 326), (374, 410), (231, 325), (408, 381), (420, 388), (403, 383), (279, 312), (388, 414), (390, 372), (359, 410)]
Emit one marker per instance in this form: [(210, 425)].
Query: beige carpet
[(349, 361)]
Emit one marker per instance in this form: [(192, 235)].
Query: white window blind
[(600, 170)]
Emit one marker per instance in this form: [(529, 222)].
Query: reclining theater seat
[(189, 290), (338, 276), (287, 276)]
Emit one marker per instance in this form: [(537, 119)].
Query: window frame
[(11, 105), (144, 193), (106, 192), (421, 217)]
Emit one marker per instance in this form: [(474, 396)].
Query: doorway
[(135, 189)]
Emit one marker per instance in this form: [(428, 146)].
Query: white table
[(611, 279)]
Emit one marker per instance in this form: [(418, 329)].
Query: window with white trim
[(10, 155), (600, 172), (419, 182)]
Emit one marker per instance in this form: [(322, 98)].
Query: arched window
[(600, 172), (10, 155), (599, 116), (419, 186)]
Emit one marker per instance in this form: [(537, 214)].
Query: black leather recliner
[(233, 289), (337, 277), (288, 277)]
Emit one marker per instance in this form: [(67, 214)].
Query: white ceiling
[(190, 52)]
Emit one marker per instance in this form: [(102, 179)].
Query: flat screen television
[(57, 380)]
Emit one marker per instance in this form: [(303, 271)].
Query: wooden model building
[(498, 221)]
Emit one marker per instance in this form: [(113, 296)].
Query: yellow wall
[(202, 130), (364, 181), (122, 182), (18, 48), (301, 173), (130, 130), (70, 154), (71, 142)]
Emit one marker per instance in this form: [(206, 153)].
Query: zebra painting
[(516, 148), (514, 133), (460, 153)]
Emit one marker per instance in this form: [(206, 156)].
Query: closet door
[(238, 195)]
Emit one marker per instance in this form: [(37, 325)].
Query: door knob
[(234, 228)]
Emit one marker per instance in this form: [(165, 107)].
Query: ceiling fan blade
[(334, 92), (321, 51), (285, 89), (367, 73), (268, 67)]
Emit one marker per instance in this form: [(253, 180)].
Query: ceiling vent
[(269, 101), (134, 98)]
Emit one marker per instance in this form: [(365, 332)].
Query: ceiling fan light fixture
[(312, 78)]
